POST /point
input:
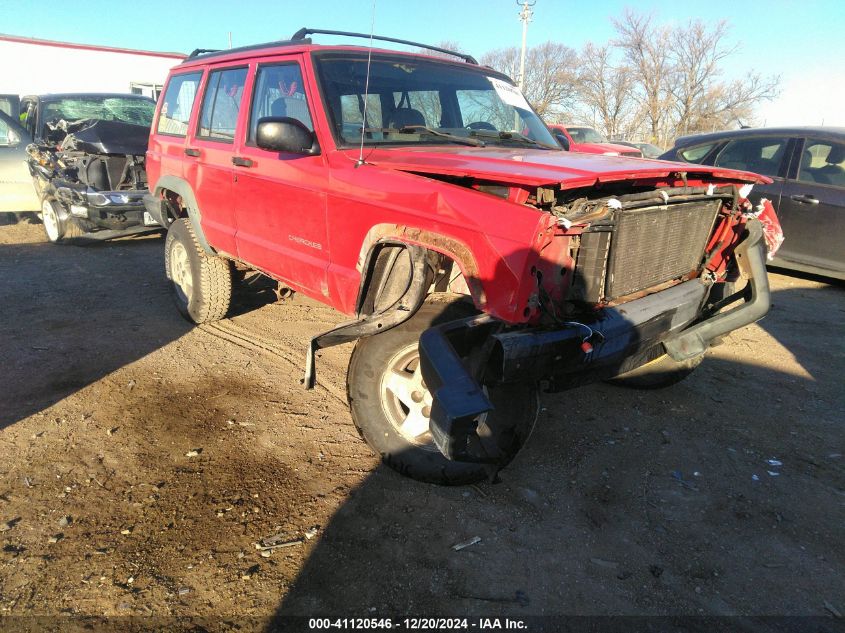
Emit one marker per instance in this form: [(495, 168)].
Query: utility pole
[(525, 16)]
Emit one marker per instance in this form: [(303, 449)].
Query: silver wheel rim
[(50, 220), (180, 271), (405, 398)]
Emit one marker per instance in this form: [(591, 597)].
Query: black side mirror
[(561, 138), (284, 134)]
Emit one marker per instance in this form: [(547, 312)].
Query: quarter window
[(178, 102), (279, 93), (220, 106), (758, 155)]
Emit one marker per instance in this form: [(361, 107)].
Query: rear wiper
[(421, 129), (510, 136)]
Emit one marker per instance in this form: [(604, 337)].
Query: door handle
[(190, 151), (242, 162), (805, 199)]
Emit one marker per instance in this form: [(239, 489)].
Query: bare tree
[(604, 92), (550, 75), (676, 76), (644, 48), (700, 101)]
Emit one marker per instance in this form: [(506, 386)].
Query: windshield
[(412, 101), (584, 135), (127, 109)]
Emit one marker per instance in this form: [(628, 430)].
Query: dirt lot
[(142, 460)]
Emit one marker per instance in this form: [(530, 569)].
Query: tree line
[(651, 82)]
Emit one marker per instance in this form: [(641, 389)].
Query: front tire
[(390, 404), (201, 283), (57, 229)]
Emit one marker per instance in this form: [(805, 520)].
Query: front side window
[(758, 155), (221, 104), (279, 92), (177, 105), (412, 101)]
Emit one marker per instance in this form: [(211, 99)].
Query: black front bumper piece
[(623, 338)]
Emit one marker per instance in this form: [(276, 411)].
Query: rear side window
[(758, 155), (696, 154), (279, 93), (178, 102), (220, 106), (823, 162)]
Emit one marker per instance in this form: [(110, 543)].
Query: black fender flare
[(181, 187)]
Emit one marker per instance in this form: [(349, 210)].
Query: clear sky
[(804, 42)]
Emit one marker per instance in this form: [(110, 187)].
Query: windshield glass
[(138, 110), (584, 135), (407, 95)]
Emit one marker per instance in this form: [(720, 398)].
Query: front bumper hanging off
[(624, 337)]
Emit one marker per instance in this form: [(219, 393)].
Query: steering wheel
[(481, 125)]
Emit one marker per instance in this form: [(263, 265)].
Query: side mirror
[(561, 138), (284, 134)]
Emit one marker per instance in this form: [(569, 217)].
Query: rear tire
[(201, 283), (390, 404)]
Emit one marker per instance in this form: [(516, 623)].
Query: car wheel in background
[(57, 228)]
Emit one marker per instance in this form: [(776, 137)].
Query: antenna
[(367, 86)]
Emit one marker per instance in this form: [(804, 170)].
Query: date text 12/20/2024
[(418, 624)]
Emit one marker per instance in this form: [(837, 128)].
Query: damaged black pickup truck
[(87, 163)]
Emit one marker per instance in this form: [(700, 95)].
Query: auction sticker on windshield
[(509, 94)]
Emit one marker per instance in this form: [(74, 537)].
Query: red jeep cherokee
[(426, 199)]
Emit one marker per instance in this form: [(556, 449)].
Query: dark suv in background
[(807, 167)]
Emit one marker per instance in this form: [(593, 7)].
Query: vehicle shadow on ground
[(10, 219), (83, 313), (799, 323), (624, 502)]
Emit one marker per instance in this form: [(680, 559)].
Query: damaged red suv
[(479, 262)]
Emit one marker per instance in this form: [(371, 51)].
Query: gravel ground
[(142, 460)]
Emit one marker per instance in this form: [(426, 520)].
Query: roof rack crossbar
[(303, 32)]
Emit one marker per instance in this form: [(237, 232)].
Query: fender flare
[(181, 187)]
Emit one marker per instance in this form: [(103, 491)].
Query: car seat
[(833, 173), (279, 108), (402, 117)]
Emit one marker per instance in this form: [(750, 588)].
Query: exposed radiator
[(645, 247)]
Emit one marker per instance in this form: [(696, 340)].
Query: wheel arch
[(188, 206), (448, 249)]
